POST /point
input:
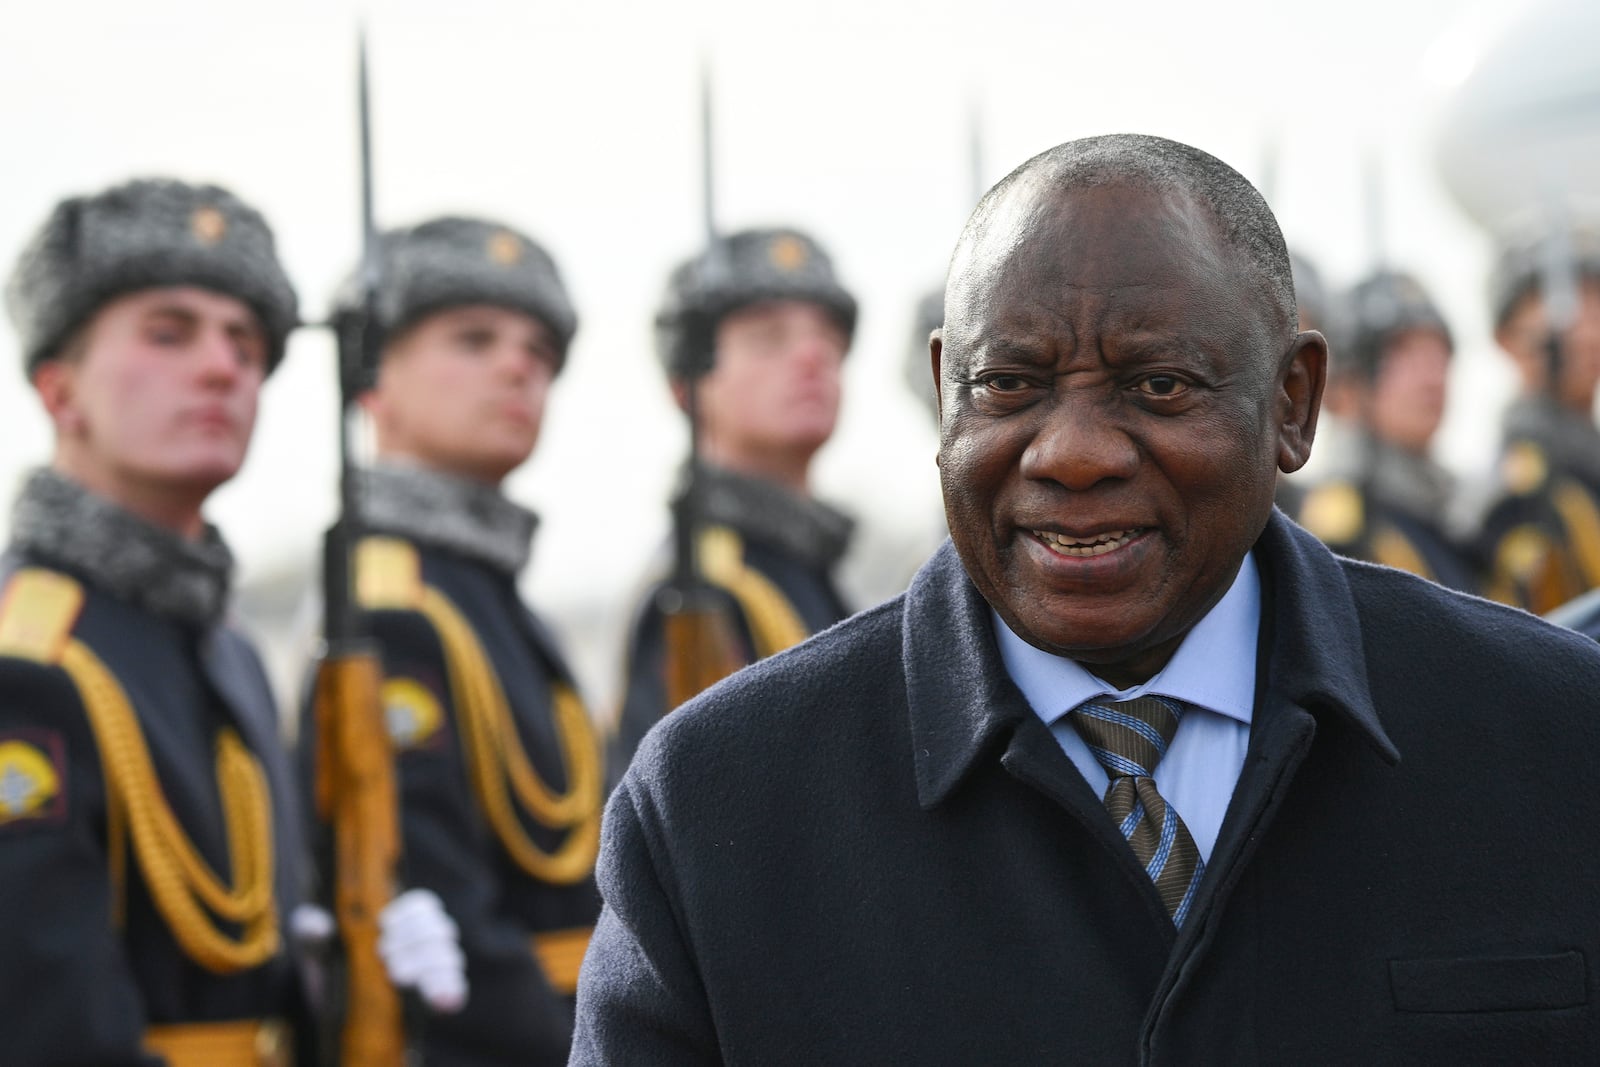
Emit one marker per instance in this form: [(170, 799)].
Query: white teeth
[(1077, 546)]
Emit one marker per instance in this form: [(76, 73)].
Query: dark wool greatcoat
[(512, 1015), (870, 850), (73, 989)]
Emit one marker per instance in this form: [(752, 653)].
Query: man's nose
[(514, 361), (1079, 444), (812, 352), (219, 356)]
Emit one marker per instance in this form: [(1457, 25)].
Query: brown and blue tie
[(1129, 737)]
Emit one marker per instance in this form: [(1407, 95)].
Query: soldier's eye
[(1003, 383)]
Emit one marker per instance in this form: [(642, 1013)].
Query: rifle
[(355, 787), (699, 644), (1558, 288)]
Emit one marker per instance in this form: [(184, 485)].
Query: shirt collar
[(1213, 668), (963, 705)]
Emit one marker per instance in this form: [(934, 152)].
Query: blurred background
[(579, 123)]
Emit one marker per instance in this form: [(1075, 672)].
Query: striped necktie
[(1129, 737)]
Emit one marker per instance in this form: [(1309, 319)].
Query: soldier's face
[(1524, 336), (1117, 396), (463, 391), (160, 394), (773, 392), (1408, 396)]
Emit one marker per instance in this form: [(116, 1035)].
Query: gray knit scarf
[(62, 523), (1569, 439), (1412, 484), (807, 529), (442, 511)]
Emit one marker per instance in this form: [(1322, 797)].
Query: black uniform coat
[(808, 588), (73, 989), (512, 1015), (870, 850)]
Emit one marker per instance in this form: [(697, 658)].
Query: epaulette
[(1523, 468), (37, 612), (1333, 513), (388, 574)]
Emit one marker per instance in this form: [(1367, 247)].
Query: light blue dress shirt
[(1213, 670)]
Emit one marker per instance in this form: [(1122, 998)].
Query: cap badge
[(788, 253), (208, 224), (504, 248)]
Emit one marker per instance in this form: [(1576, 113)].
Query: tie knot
[(1128, 737)]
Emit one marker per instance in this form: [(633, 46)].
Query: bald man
[(1136, 771)]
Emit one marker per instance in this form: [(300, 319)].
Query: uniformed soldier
[(776, 322), (499, 771), (149, 852), (1541, 537), (1389, 504)]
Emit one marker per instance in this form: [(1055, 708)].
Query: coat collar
[(964, 706)]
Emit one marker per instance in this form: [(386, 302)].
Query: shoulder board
[(38, 609), (1333, 513), (388, 574), (721, 554), (1523, 468)]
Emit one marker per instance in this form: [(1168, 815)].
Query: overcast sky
[(578, 123)]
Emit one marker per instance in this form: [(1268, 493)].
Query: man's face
[(1113, 414), (773, 392), (160, 392), (1524, 336), (463, 391), (1408, 395)]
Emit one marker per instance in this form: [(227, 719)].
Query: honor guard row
[(1534, 540), (172, 888)]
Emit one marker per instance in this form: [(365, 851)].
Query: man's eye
[(1161, 385), (1003, 383), (475, 340), (164, 334)]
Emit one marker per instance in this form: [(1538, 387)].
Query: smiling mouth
[(1098, 545)]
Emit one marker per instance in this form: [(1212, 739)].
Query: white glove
[(421, 948)]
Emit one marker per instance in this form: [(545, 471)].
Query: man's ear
[(936, 360), (56, 382), (1302, 379), (680, 393)]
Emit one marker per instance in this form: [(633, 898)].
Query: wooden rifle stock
[(355, 797), (699, 643), (699, 649)]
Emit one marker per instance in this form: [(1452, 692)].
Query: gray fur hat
[(1518, 267), (1380, 307), (450, 261), (145, 234), (738, 270)]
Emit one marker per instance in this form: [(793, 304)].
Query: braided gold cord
[(774, 624), (494, 755), (1583, 529), (179, 878), (1391, 548)]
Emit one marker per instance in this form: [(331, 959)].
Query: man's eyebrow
[(171, 311), (1011, 350)]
